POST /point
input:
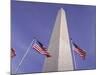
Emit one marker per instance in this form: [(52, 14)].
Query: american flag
[(38, 46), (80, 51), (13, 54)]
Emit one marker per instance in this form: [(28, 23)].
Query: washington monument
[(59, 46)]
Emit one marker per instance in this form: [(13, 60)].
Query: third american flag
[(78, 50)]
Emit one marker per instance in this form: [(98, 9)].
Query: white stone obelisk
[(59, 46)]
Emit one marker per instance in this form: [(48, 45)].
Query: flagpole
[(24, 56), (73, 54), (74, 60)]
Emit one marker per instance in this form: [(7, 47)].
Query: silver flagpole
[(73, 54), (24, 56)]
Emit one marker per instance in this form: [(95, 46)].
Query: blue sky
[(36, 20)]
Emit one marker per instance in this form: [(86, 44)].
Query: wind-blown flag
[(13, 54), (78, 50), (39, 47)]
